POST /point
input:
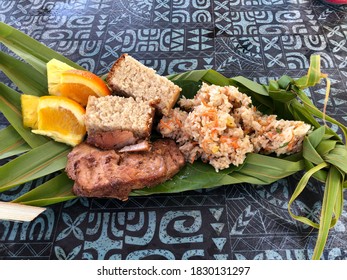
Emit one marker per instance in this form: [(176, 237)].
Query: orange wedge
[(60, 118), (63, 80)]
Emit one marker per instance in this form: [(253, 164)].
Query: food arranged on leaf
[(115, 151), (139, 133), (118, 154)]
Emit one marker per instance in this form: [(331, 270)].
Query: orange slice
[(61, 118), (29, 105), (63, 80)]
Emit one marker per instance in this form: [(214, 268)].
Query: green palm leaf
[(34, 84), (40, 161), (11, 143), (55, 190)]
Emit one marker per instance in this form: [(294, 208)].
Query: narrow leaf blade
[(11, 143), (209, 76), (338, 157), (332, 186), (299, 189), (55, 190), (38, 162), (17, 71)]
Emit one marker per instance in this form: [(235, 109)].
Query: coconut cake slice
[(128, 77)]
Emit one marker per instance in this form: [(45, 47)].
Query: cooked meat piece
[(171, 155), (115, 139), (106, 173)]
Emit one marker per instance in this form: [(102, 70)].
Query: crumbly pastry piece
[(100, 173), (129, 77), (113, 122)]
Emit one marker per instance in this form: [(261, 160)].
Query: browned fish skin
[(106, 173)]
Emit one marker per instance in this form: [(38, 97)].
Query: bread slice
[(128, 77), (113, 122)]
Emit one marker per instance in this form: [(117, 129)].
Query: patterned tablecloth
[(258, 39)]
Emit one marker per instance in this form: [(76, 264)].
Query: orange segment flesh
[(62, 119), (77, 92)]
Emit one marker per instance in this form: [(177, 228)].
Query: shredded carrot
[(211, 114), (234, 143), (204, 102), (291, 144), (224, 138), (167, 124), (231, 141), (214, 132), (204, 145), (178, 122)]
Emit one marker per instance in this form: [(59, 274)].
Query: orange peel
[(64, 80)]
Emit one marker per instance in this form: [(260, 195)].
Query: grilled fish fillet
[(106, 173)]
